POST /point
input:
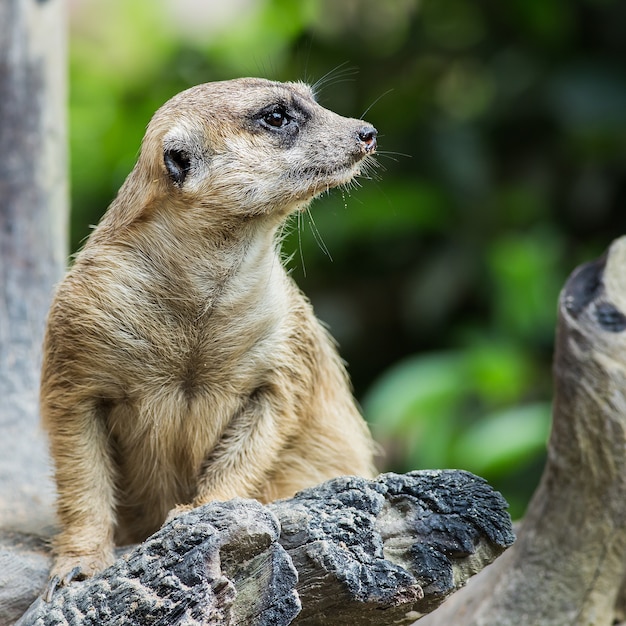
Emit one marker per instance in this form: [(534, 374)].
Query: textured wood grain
[(349, 551)]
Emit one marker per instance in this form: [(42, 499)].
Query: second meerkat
[(181, 362)]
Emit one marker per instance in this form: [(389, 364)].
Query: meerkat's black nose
[(367, 137)]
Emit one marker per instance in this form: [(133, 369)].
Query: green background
[(502, 135)]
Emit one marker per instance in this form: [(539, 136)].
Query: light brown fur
[(181, 363)]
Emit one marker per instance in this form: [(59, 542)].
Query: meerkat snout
[(367, 137)]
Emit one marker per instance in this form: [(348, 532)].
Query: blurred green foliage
[(502, 166)]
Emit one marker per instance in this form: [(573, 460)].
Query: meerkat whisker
[(340, 73)]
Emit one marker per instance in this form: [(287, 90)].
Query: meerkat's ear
[(177, 164)]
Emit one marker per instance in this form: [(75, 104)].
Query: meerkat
[(181, 362)]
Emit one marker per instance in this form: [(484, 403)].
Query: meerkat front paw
[(67, 569)]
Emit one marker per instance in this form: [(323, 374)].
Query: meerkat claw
[(55, 582), (51, 587), (76, 573)]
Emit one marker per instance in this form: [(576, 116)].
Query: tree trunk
[(33, 226), (349, 551), (569, 561)]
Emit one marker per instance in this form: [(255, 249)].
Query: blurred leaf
[(426, 402), (550, 22), (416, 390), (375, 213), (416, 405), (589, 101), (500, 441), (466, 89), (521, 205), (500, 373), (453, 24), (436, 287), (526, 282), (390, 21)]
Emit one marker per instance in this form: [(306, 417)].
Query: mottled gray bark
[(389, 550), (569, 561), (33, 216), (349, 551)]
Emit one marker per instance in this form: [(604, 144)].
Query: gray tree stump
[(33, 241), (349, 551), (569, 561)]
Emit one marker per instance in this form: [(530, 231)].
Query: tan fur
[(181, 363)]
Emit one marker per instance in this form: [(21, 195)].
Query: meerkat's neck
[(211, 263)]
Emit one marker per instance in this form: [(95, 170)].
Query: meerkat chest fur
[(181, 362), (188, 346), (194, 339)]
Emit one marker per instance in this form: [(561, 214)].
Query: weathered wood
[(570, 558), (366, 552), (33, 216), (220, 564), (389, 550)]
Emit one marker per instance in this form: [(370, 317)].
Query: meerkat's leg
[(247, 452), (85, 482)]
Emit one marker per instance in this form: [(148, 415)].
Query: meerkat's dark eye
[(277, 117), (177, 164)]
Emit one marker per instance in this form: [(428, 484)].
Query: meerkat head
[(251, 147)]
